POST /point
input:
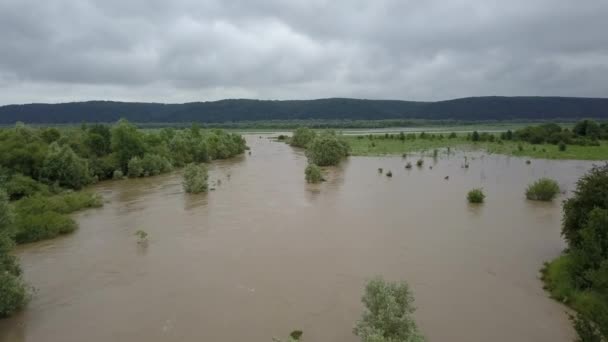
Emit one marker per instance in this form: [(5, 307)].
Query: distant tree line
[(234, 110)]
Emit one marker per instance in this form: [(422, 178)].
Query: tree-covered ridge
[(472, 108)]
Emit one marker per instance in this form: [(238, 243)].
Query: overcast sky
[(198, 50)]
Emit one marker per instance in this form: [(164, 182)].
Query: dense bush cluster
[(544, 189), (388, 315), (580, 276)]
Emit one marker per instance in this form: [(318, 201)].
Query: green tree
[(388, 315), (62, 165), (126, 143), (476, 196)]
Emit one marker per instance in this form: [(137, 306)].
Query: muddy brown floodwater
[(265, 253)]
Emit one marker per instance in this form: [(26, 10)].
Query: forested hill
[(466, 109)]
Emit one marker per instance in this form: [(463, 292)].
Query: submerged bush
[(476, 196), (313, 174), (326, 150), (43, 226), (408, 165), (419, 162), (195, 178), (544, 189), (388, 315), (13, 294)]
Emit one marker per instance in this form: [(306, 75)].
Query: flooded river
[(265, 253)]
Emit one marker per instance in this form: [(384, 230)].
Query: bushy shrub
[(117, 174), (63, 166), (419, 162), (195, 178), (562, 146), (45, 225), (22, 186), (326, 150), (313, 174), (13, 294), (388, 315), (476, 196), (544, 189), (135, 167), (302, 137)]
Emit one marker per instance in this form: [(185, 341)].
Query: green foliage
[(580, 277), (118, 174), (591, 192), (40, 217), (562, 146), (13, 294), (65, 167), (388, 315), (544, 189), (326, 150), (195, 178), (142, 236), (476, 196), (22, 186), (302, 137), (313, 174), (294, 336), (126, 142)]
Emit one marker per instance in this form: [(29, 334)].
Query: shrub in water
[(476, 196), (326, 150), (544, 189), (195, 178), (117, 174), (408, 165), (388, 314), (389, 174), (419, 162), (302, 137), (313, 174)]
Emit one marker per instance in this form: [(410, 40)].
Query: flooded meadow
[(266, 253)]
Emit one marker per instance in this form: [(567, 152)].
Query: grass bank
[(379, 145)]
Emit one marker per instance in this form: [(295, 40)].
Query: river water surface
[(265, 253)]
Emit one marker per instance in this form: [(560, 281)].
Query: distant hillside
[(465, 109)]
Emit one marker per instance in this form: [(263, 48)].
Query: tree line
[(233, 110)]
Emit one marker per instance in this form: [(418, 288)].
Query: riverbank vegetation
[(544, 189), (587, 140), (579, 277), (42, 169), (388, 315), (327, 149)]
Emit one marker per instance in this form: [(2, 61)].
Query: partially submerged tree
[(327, 149), (195, 178), (388, 315), (313, 174), (476, 196)]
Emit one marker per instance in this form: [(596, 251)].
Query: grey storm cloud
[(194, 50)]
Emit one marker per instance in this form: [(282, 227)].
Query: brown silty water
[(266, 253)]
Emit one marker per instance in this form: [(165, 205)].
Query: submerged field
[(268, 253), (363, 146)]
